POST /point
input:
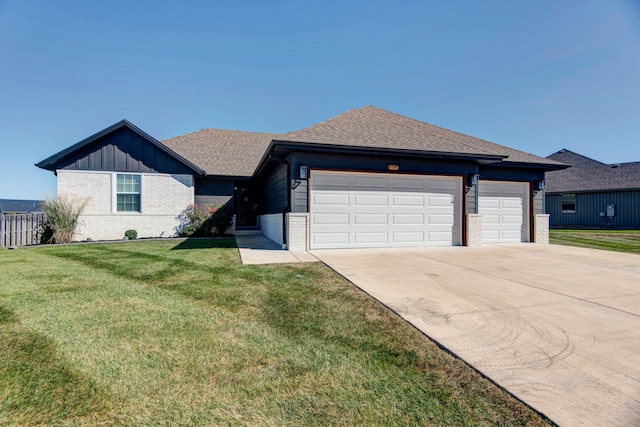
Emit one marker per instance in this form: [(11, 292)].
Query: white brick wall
[(163, 197), (474, 230), (271, 226), (298, 231), (541, 228)]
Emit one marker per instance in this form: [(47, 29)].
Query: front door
[(246, 206)]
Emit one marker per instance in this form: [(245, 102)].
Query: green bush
[(205, 221), (62, 218), (131, 234)]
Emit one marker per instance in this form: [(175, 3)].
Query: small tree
[(62, 218)]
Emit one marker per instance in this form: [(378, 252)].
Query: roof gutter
[(336, 148)]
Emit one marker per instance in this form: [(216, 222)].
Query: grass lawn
[(611, 240), (177, 332)]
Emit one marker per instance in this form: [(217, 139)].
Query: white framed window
[(128, 192), (569, 203)]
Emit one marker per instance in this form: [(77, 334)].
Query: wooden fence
[(21, 229)]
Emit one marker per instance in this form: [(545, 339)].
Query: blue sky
[(538, 76)]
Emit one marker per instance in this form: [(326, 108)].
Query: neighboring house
[(19, 206), (591, 194), (364, 178)]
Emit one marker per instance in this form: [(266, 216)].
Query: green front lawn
[(177, 332), (611, 240)]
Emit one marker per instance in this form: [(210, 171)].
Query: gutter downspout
[(287, 208)]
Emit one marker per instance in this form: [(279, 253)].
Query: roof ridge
[(326, 120), (222, 130)]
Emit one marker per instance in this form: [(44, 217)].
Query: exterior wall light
[(304, 172), (472, 180), (540, 185)]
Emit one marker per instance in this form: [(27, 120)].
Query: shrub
[(205, 221), (62, 218), (131, 234)]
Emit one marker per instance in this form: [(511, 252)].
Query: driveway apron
[(556, 326)]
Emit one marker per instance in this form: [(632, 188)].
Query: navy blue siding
[(589, 206), (124, 151), (273, 192), (538, 203), (213, 191), (365, 163)]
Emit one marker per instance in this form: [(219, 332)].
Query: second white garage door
[(378, 210), (504, 209)]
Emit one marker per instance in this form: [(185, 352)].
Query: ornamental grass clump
[(205, 220), (62, 218)]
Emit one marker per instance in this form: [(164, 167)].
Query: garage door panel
[(408, 237), (443, 237), (444, 200), (330, 239), (363, 199), (447, 185), (378, 238), (331, 218), (385, 210), (408, 200), (512, 219), (331, 181), (370, 181), (330, 199), (511, 203), (370, 219), (440, 219), (407, 219), (412, 184)]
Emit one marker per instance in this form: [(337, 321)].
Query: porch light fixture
[(540, 185), (472, 180), (304, 172)]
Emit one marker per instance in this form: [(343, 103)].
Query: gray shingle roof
[(238, 153), (375, 128), (223, 152), (590, 175)]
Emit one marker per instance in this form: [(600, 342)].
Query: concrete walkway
[(558, 327), (258, 249)]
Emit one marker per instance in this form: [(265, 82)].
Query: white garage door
[(376, 210), (504, 209)]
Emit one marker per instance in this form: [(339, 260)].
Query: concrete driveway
[(558, 327)]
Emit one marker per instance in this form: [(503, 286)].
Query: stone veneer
[(298, 231), (474, 230), (541, 228)]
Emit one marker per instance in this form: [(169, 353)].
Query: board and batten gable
[(123, 151)]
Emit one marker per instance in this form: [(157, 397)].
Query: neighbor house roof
[(20, 206), (372, 127), (587, 174), (223, 152)]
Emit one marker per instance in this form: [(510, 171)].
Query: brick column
[(474, 230), (297, 231), (541, 228)]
